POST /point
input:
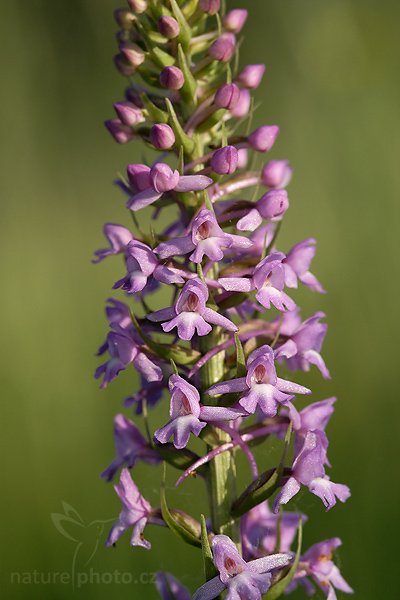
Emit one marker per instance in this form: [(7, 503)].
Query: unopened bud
[(276, 174), (227, 96), (120, 132), (162, 137), (211, 7), (128, 113), (273, 205), (235, 19), (225, 160), (138, 6), (168, 27), (243, 105), (124, 18), (172, 78), (139, 176), (163, 178), (251, 76), (263, 138), (243, 158), (133, 54), (223, 48)]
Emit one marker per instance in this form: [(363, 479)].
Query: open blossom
[(297, 264), (190, 314), (317, 564), (303, 347), (241, 579), (187, 416), (131, 446), (142, 263), (259, 531), (164, 179), (308, 469), (262, 387), (206, 239), (268, 279), (135, 514), (314, 417), (118, 237)]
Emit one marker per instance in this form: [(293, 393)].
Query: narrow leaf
[(240, 358), (209, 568), (185, 31), (181, 138)]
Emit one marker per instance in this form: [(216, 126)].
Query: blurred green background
[(332, 83)]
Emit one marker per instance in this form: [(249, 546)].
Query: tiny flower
[(120, 132), (308, 469), (243, 105), (142, 263), (128, 113), (242, 579), (314, 417), (149, 392), (276, 174), (297, 265), (118, 238), (263, 138), (168, 27), (135, 514), (190, 314), (164, 179), (269, 281), (187, 416), (262, 387), (162, 137), (206, 239), (211, 7), (259, 531), (304, 345), (235, 19), (317, 564), (251, 76), (227, 96), (224, 161), (271, 206), (131, 446), (170, 588), (172, 78), (139, 177), (223, 48)]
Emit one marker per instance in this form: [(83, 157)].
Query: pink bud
[(227, 96), (128, 113), (172, 78), (223, 48), (276, 174), (251, 76), (139, 176), (168, 27), (162, 137), (211, 7), (243, 158), (225, 160), (243, 106), (124, 18), (120, 132), (263, 138), (138, 6), (133, 54), (235, 19), (273, 205)]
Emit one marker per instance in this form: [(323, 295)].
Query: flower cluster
[(204, 231)]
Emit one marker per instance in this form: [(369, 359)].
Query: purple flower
[(297, 264), (271, 206), (269, 281), (131, 446), (262, 386), (172, 78), (164, 179), (139, 177), (317, 563), (136, 512), (162, 137), (118, 238), (205, 239), (168, 27), (170, 588), (308, 469), (303, 347), (150, 392), (251, 76), (190, 314), (187, 416), (263, 138), (141, 263), (224, 161), (235, 19), (242, 579), (259, 529), (276, 174)]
